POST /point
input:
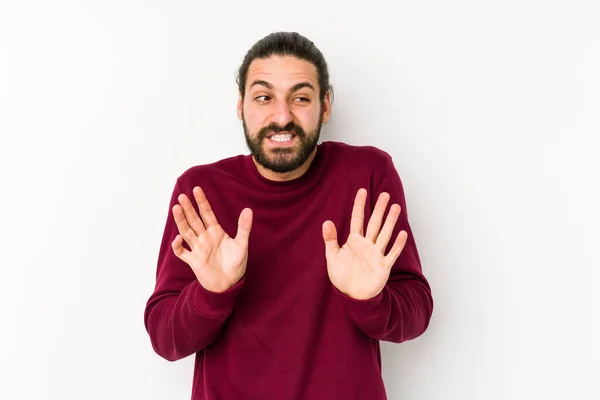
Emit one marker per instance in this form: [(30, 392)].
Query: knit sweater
[(284, 331)]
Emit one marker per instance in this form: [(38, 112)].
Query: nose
[(282, 114)]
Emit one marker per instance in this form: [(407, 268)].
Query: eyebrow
[(262, 83), (294, 88), (301, 85)]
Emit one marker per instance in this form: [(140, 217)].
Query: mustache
[(274, 128)]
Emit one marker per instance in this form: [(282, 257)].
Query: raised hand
[(359, 268), (218, 261)]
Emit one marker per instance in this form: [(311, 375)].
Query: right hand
[(218, 261)]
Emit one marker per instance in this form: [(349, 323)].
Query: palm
[(360, 268), (218, 261), (357, 267), (216, 257)]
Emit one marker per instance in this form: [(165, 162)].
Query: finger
[(377, 217), (182, 224), (244, 227), (358, 212), (181, 252), (191, 217), (397, 248), (206, 212), (330, 237), (388, 228)]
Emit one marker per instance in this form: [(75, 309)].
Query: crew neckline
[(255, 176)]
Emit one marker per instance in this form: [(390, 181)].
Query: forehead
[(282, 71)]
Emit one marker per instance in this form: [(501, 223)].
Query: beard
[(284, 159)]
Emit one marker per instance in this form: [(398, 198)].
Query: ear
[(240, 104), (326, 108)]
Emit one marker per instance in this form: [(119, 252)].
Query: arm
[(182, 317), (401, 309)]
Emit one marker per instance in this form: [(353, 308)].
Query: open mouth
[(282, 137)]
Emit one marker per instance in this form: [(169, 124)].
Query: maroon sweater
[(284, 331)]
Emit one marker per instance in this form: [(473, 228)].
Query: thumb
[(330, 237), (244, 226)]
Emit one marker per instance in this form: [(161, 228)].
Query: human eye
[(302, 99), (262, 98)]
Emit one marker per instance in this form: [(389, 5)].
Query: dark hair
[(286, 44)]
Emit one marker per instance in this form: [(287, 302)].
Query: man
[(251, 277)]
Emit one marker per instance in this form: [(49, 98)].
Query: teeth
[(282, 138)]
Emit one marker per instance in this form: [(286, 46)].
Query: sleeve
[(403, 309), (181, 316)]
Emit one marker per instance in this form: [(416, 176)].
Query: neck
[(285, 176)]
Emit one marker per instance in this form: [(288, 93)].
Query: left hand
[(360, 269)]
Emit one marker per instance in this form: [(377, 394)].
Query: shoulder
[(363, 157), (210, 172), (369, 166)]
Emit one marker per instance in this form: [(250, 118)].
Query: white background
[(490, 110)]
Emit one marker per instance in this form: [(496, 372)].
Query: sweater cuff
[(214, 305), (361, 311)]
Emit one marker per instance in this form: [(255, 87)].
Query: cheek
[(308, 118), (254, 118)]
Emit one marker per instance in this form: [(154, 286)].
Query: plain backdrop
[(490, 110)]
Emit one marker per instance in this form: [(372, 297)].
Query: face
[(282, 113)]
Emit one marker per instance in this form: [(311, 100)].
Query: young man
[(251, 277)]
